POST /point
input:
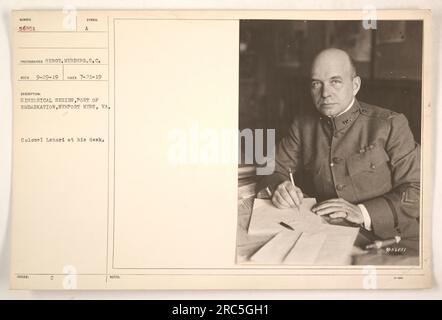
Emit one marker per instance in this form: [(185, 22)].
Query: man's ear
[(356, 85)]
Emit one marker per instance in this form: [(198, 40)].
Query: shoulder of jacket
[(373, 111), (305, 118)]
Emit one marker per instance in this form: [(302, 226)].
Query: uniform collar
[(348, 108), (345, 118)]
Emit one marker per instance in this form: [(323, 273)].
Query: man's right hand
[(287, 195)]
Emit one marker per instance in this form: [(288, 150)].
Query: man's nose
[(325, 91)]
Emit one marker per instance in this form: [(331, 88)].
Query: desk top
[(404, 253)]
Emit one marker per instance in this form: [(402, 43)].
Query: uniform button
[(372, 165), (337, 160), (332, 164), (340, 187)]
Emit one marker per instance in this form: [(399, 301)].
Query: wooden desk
[(247, 244)]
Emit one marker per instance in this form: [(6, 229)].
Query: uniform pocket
[(369, 161), (370, 173)]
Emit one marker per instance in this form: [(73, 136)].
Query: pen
[(291, 176), (285, 225), (380, 244), (292, 180)]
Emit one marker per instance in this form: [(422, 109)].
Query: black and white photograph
[(334, 108), (222, 150)]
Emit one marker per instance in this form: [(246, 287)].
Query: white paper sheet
[(312, 242), (266, 217)]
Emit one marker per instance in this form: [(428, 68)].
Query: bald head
[(334, 81), (336, 56)]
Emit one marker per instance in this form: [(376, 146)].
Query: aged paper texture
[(125, 156)]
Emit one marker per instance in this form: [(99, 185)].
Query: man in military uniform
[(360, 161)]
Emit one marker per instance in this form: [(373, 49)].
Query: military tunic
[(367, 156)]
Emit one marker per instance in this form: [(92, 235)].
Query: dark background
[(275, 59)]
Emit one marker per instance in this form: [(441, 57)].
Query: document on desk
[(126, 151), (330, 245), (266, 218), (311, 242)]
